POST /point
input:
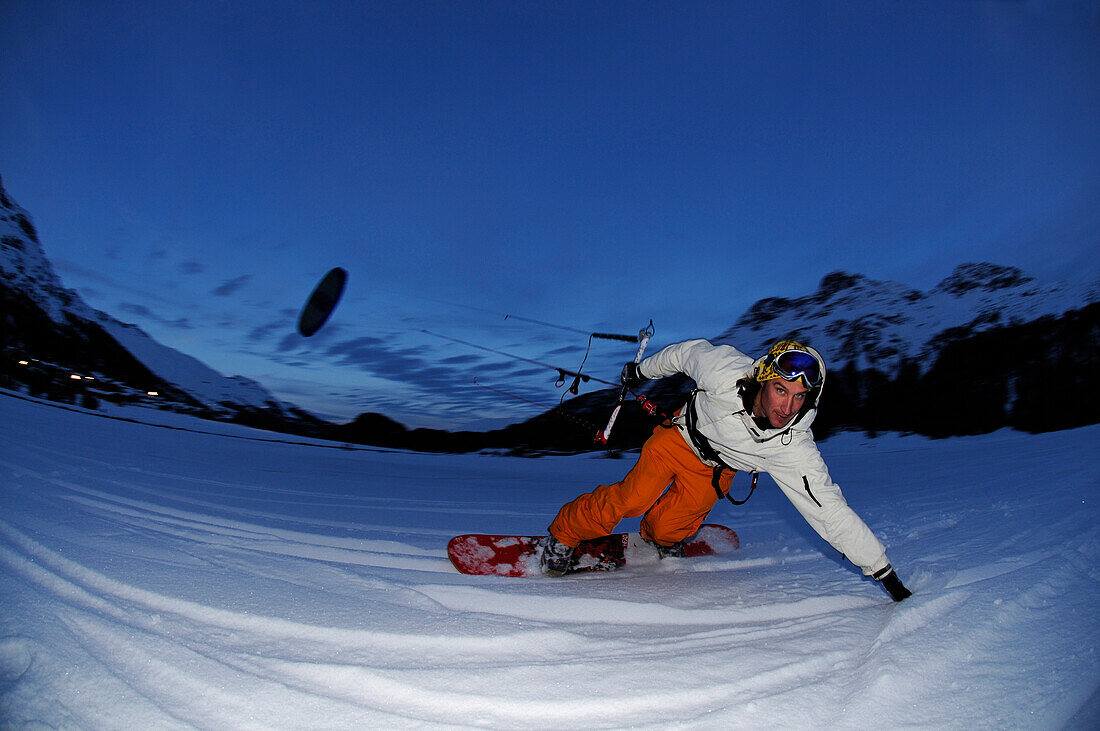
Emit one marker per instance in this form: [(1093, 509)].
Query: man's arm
[(712, 367), (807, 484)]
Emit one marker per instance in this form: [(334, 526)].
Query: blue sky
[(196, 167)]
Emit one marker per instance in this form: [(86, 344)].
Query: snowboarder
[(748, 415)]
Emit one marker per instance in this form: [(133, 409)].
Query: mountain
[(855, 320), (56, 344)]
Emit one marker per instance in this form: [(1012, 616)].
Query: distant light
[(24, 362), (89, 378), (75, 377), (152, 393)]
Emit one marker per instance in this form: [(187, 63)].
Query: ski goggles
[(792, 365)]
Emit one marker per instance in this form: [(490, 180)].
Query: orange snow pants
[(671, 515)]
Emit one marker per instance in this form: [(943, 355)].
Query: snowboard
[(490, 555)]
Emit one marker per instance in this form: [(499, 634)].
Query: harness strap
[(752, 487), (710, 454)]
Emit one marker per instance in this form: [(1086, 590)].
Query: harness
[(707, 451)]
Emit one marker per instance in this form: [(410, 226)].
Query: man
[(746, 415)]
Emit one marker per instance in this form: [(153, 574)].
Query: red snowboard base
[(490, 555)]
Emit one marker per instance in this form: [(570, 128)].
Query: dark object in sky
[(322, 302)]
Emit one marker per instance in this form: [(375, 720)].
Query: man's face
[(780, 401)]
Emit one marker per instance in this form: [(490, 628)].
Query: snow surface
[(153, 577)]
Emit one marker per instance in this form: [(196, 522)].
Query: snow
[(161, 578), (188, 373)]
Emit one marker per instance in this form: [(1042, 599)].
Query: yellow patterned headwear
[(766, 371)]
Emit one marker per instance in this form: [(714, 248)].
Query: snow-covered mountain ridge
[(29, 275), (854, 319)]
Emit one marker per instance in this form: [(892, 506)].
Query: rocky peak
[(983, 277), (838, 281), (24, 266)]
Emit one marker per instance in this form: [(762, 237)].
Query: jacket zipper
[(806, 482)]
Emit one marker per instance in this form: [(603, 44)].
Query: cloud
[(191, 267), (233, 285), (377, 357), (290, 342), (68, 267), (457, 360), (263, 332), (566, 350), (503, 367), (531, 373), (139, 310), (420, 384), (142, 311)]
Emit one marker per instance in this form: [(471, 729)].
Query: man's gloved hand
[(632, 377), (892, 584)]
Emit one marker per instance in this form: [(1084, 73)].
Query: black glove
[(892, 584), (632, 377)]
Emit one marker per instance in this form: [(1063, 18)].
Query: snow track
[(169, 579)]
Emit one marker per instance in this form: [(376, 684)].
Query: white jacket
[(788, 454)]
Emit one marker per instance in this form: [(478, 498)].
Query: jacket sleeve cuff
[(882, 573)]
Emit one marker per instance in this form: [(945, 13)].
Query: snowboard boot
[(557, 558), (676, 550)]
